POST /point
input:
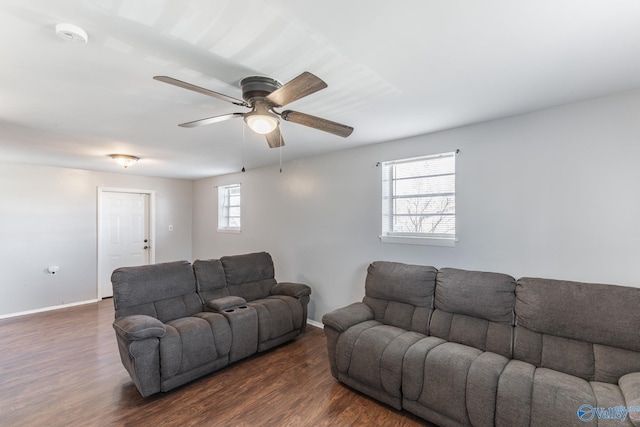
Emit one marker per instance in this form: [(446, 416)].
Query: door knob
[(146, 247), (146, 240)]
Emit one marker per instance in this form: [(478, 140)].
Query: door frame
[(150, 222)]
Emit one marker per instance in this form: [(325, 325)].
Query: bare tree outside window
[(423, 222)]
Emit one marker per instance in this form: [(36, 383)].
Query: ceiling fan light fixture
[(261, 122), (125, 160)]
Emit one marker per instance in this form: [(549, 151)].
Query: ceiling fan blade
[(317, 123), (303, 85), (210, 120), (199, 89), (274, 138)]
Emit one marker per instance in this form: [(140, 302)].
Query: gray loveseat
[(176, 321), (465, 348)]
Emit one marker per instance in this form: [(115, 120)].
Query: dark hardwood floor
[(62, 368)]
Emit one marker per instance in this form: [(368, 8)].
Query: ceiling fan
[(263, 94)]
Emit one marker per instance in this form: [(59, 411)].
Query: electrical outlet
[(170, 227)]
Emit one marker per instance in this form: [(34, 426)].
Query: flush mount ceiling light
[(71, 33), (125, 160)]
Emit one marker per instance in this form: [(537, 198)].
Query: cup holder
[(234, 309)]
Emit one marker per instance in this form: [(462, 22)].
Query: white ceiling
[(393, 69)]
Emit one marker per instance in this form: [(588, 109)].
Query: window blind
[(419, 197), (229, 198)]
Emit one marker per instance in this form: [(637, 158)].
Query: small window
[(419, 200), (229, 208)]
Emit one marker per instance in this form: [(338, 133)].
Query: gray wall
[(553, 194), (48, 216)]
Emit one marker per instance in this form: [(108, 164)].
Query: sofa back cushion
[(583, 329), (400, 295), (250, 276), (210, 279), (166, 291), (475, 308)]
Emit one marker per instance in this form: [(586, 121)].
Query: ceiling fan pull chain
[(243, 169), (280, 153)]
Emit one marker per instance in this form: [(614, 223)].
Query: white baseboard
[(40, 310), (57, 307), (314, 323)]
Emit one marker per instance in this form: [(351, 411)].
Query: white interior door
[(124, 238)]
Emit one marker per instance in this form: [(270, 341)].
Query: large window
[(419, 200), (229, 208)]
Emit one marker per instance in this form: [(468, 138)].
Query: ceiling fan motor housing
[(257, 87)]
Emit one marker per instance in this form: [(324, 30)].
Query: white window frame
[(226, 222), (388, 198)]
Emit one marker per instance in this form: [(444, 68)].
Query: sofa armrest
[(630, 387), (224, 303), (139, 327), (345, 317), (296, 290)]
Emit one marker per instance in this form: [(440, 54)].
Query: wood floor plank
[(62, 368)]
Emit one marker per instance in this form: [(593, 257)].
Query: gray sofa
[(465, 348), (176, 321)]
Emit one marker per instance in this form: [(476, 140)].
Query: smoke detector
[(71, 33)]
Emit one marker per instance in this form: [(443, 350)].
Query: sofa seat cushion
[(513, 400), (630, 388), (563, 399), (454, 380), (557, 397), (530, 396), (278, 315), (371, 353), (609, 396), (191, 342)]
